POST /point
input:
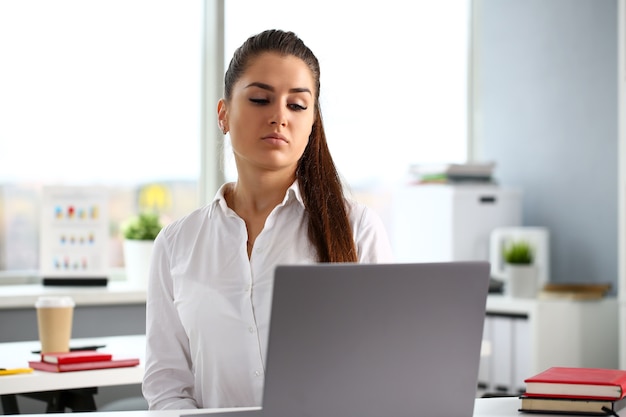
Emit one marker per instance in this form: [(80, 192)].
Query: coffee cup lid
[(50, 301)]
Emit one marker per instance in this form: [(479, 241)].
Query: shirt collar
[(293, 193)]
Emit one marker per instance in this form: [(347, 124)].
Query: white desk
[(17, 355), (484, 407), (55, 388)]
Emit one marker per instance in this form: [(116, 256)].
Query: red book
[(82, 366), (597, 383), (75, 356)]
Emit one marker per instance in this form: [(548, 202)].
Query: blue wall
[(546, 73)]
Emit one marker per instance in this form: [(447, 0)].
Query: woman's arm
[(168, 380)]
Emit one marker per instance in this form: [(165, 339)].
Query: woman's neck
[(258, 195), (253, 201)]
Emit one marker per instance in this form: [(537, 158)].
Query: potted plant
[(520, 272), (139, 233)]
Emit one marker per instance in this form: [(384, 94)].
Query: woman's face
[(270, 113)]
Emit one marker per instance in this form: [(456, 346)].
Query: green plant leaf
[(519, 253), (145, 226)]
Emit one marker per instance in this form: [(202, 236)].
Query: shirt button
[(258, 373), (251, 329)]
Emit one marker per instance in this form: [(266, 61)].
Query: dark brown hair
[(329, 227)]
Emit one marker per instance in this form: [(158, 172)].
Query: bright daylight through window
[(103, 92), (108, 93)]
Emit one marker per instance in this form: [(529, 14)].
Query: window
[(108, 93), (104, 92)]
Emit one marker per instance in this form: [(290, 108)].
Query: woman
[(211, 278)]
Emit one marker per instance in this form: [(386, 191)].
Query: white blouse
[(208, 305)]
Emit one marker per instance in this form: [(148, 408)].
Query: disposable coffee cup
[(54, 321)]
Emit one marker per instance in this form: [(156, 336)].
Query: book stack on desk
[(587, 391), (80, 360)]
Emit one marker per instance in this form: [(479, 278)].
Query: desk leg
[(77, 400), (9, 404)]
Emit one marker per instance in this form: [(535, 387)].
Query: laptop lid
[(373, 340)]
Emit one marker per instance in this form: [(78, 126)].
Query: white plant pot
[(520, 281), (137, 254)]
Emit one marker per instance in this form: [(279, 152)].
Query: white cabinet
[(440, 223), (527, 336), (501, 351)]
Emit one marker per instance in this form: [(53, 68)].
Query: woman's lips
[(275, 138)]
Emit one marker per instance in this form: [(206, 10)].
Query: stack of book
[(563, 390), (481, 173), (574, 291), (80, 360)]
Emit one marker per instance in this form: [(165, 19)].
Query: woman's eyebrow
[(272, 89)]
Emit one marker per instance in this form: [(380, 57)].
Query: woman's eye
[(297, 107), (259, 100)]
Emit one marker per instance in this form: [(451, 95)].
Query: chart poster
[(74, 236)]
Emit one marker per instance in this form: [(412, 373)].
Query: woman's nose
[(279, 116)]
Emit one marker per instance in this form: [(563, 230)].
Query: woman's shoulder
[(370, 233), (200, 215), (362, 215), (190, 221), (357, 209)]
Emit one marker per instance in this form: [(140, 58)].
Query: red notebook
[(595, 383), (75, 356), (82, 366)]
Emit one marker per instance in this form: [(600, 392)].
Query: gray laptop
[(374, 340)]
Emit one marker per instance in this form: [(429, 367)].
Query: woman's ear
[(222, 116)]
